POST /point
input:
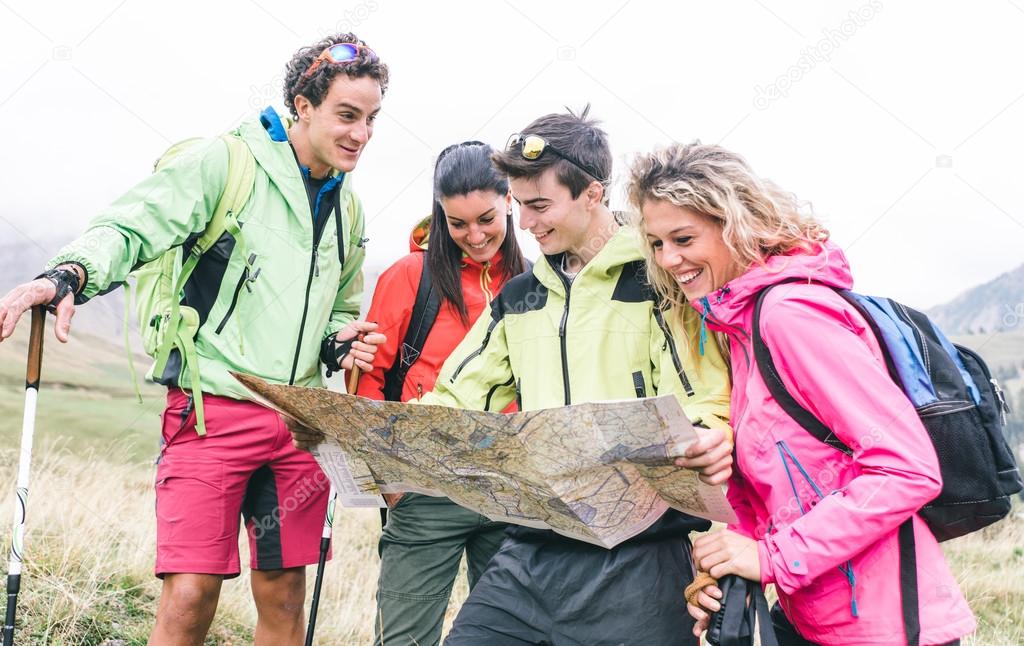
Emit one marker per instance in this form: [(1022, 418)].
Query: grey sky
[(901, 121)]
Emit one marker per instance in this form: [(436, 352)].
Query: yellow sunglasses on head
[(532, 147)]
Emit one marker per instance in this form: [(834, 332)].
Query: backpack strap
[(778, 390), (237, 190), (814, 426), (908, 583), (424, 313)]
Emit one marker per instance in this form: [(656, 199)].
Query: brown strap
[(701, 581)]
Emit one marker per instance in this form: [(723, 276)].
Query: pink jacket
[(831, 362)]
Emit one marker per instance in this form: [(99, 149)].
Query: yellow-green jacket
[(548, 343)]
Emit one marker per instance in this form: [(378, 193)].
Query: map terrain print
[(598, 472)]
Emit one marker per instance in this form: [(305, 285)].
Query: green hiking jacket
[(550, 344), (271, 327)]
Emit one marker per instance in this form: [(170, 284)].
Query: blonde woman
[(818, 524)]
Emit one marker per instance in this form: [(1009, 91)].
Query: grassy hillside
[(87, 399), (91, 540)]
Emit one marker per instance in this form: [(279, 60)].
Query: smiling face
[(477, 222), (548, 211), (341, 126), (690, 247)]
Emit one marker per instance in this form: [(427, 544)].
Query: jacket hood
[(267, 139), (420, 235), (825, 265)]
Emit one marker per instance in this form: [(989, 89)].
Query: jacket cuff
[(337, 323), (788, 561), (88, 289)]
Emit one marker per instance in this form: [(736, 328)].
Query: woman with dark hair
[(472, 253)]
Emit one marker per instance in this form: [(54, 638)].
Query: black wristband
[(65, 280), (333, 352)]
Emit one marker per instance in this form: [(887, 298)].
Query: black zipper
[(902, 313), (238, 288), (495, 387), (318, 229), (519, 394), (234, 300), (475, 353), (993, 384), (670, 342), (562, 332)]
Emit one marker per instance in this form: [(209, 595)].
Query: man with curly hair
[(299, 259)]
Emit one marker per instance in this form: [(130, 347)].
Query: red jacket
[(391, 308)]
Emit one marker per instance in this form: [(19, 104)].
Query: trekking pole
[(35, 363), (325, 544), (325, 537)]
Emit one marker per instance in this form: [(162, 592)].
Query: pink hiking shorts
[(244, 466)]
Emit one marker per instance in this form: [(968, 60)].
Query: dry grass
[(990, 568), (90, 547), (91, 543)]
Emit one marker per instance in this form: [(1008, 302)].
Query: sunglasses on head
[(340, 54), (532, 148)]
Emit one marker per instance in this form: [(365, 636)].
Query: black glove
[(333, 352), (65, 280)]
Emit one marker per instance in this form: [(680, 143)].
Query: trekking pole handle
[(353, 381), (35, 348)]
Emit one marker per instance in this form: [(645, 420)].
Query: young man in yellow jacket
[(582, 326)]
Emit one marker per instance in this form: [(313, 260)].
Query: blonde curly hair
[(758, 219)]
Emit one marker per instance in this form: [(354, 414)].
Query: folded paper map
[(595, 472)]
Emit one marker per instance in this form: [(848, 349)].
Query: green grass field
[(90, 547)]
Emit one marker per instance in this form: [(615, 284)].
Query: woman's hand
[(710, 456), (726, 552), (706, 602)]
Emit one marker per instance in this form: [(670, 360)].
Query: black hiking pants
[(561, 592)]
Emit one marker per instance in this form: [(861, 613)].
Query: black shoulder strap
[(770, 375), (908, 583), (424, 313)]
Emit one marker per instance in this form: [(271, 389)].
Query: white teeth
[(688, 278), (481, 245)]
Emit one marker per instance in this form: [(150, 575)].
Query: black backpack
[(424, 313), (964, 416)]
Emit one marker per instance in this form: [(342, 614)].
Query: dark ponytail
[(461, 169)]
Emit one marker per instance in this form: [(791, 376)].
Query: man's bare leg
[(279, 597), (188, 603)]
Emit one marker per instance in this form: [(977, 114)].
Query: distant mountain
[(996, 306)]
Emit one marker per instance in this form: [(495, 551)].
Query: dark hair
[(316, 85), (460, 170), (574, 135)]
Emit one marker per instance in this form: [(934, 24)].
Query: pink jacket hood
[(825, 266), (833, 557)]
